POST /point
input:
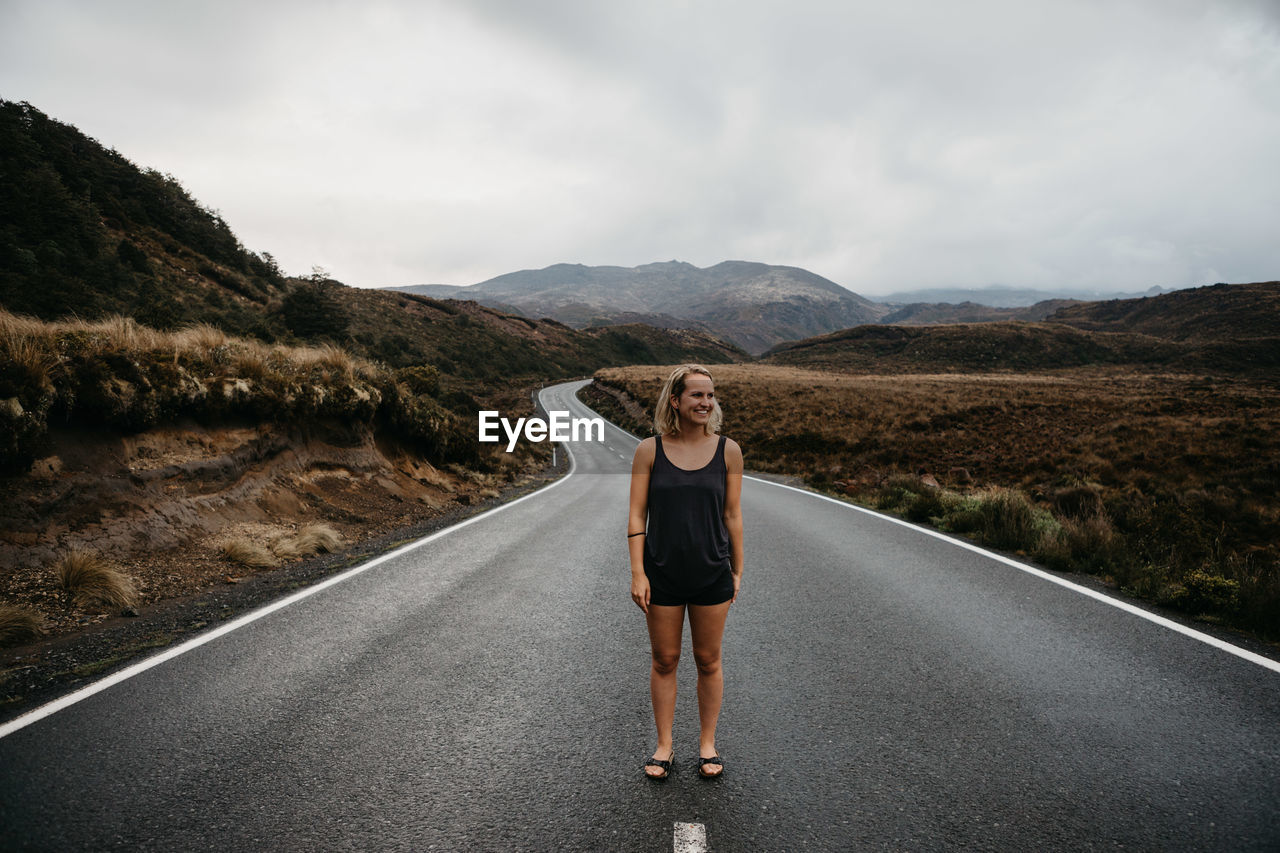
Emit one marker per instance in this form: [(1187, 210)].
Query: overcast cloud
[(887, 146)]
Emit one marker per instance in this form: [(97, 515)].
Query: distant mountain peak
[(754, 304)]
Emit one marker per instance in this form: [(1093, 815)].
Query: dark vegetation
[(85, 231)]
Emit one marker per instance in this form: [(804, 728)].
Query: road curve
[(487, 690)]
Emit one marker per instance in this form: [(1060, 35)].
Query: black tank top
[(687, 544)]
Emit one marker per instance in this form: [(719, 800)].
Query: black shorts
[(716, 593)]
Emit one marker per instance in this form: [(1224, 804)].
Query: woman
[(685, 537)]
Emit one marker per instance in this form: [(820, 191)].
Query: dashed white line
[(690, 838)]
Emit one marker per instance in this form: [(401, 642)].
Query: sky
[(1109, 145)]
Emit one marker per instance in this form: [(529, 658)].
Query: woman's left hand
[(737, 582)]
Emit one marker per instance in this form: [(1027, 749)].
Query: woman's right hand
[(640, 591)]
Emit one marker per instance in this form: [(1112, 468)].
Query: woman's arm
[(637, 519), (733, 510)]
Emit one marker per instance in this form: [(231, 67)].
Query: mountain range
[(754, 305)]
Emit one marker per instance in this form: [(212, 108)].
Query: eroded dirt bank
[(161, 505)]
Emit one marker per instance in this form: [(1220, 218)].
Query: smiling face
[(687, 399), (696, 402)]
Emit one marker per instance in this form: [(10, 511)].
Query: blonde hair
[(665, 419)]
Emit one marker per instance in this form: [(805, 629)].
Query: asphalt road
[(488, 690)]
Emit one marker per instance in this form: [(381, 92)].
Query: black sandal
[(715, 759), (664, 765)]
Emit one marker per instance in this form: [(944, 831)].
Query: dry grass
[(1143, 478), (310, 540), (118, 374), (26, 339), (319, 539), (197, 338), (18, 625), (248, 553), (333, 362), (94, 582)]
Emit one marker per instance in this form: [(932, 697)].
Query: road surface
[(488, 690)]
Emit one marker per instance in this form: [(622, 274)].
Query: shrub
[(963, 516), (312, 314), (1259, 599), (1010, 522), (92, 581), (1204, 592), (420, 379), (897, 491), (249, 553), (1078, 501), (1091, 542), (18, 625), (928, 505)]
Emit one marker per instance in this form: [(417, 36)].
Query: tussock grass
[(248, 553), (118, 374), (333, 362), (25, 356), (18, 625), (197, 338), (93, 581), (310, 540), (319, 539)]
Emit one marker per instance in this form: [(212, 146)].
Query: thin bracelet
[(641, 533)]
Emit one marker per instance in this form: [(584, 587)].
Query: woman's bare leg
[(706, 626), (666, 626)]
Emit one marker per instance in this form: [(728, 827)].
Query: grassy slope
[(1224, 329)]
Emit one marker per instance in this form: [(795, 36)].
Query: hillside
[(1224, 328), (752, 304), (932, 313), (998, 296), (84, 230), (1215, 313)]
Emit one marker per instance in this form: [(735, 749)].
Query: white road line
[(142, 666), (690, 838), (1266, 662)]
